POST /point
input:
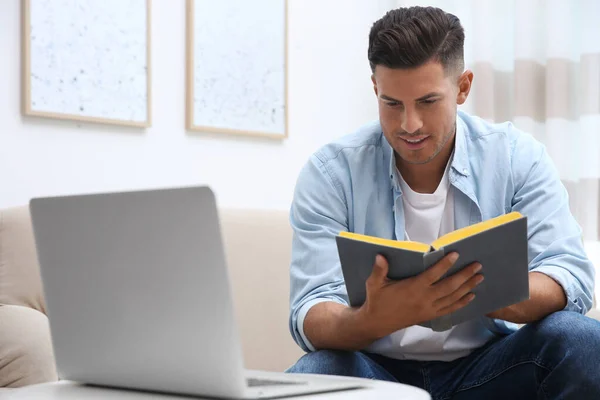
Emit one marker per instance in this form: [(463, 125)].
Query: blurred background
[(536, 63)]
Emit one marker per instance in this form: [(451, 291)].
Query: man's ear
[(374, 84), (465, 80)]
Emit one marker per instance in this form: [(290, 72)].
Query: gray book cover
[(501, 250)]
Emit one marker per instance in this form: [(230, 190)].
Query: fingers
[(461, 292), (457, 305), (450, 284), (437, 271), (380, 271)]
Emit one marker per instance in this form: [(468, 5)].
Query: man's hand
[(394, 305), (545, 297)]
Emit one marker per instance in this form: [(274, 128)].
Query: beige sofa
[(258, 252)]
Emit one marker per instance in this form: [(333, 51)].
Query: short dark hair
[(410, 37)]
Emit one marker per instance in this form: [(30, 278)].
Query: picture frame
[(236, 72), (88, 61)]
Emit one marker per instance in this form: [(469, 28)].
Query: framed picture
[(236, 67), (87, 60)]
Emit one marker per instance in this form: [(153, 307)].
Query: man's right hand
[(392, 305)]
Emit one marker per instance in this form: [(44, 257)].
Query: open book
[(499, 244)]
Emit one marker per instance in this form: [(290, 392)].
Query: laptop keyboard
[(254, 382)]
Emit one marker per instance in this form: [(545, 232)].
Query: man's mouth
[(415, 140), (415, 143)]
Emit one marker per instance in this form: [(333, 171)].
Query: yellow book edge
[(444, 240)]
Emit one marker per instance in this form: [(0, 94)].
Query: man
[(421, 171)]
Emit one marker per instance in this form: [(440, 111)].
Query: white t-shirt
[(427, 217)]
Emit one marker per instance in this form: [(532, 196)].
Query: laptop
[(138, 296)]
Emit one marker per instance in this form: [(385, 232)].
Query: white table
[(65, 390)]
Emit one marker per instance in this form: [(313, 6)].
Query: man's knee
[(569, 332), (329, 362), (567, 344)]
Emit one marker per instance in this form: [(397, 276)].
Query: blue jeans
[(557, 358)]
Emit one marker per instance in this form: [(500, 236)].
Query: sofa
[(257, 247)]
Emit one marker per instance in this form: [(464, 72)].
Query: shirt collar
[(460, 162), (390, 160)]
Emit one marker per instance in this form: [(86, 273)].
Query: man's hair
[(410, 37)]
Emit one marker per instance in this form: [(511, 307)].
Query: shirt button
[(465, 171)]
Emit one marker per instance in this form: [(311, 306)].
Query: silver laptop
[(138, 296)]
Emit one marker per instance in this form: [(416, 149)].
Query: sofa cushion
[(20, 281), (26, 356), (258, 251)]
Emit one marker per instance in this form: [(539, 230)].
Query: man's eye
[(392, 103), (428, 101)]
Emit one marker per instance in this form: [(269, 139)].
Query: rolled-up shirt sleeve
[(555, 243), (318, 213)]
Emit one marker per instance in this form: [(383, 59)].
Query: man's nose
[(411, 122)]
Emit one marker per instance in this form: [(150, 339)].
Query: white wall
[(329, 95)]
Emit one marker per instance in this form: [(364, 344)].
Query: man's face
[(417, 109)]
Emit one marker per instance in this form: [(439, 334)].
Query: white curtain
[(537, 63)]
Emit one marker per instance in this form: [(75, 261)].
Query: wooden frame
[(190, 80), (26, 78)]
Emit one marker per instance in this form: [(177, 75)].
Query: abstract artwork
[(236, 67), (87, 60)]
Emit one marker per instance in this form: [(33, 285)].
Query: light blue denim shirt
[(353, 184)]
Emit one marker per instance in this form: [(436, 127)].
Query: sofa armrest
[(20, 283), (594, 313), (26, 355)]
